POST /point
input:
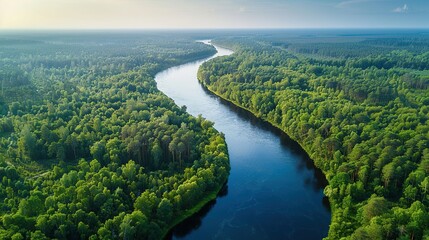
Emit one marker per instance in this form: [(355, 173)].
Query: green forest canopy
[(89, 148), (358, 105)]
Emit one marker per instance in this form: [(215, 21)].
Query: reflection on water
[(192, 223), (186, 227), (273, 191)]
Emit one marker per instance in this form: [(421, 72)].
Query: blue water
[(273, 191)]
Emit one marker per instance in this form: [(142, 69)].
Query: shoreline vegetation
[(210, 196), (194, 210), (91, 149), (346, 103), (268, 122), (115, 157)]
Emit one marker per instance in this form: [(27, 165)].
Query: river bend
[(273, 191)]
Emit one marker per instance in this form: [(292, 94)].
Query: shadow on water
[(194, 222), (318, 182), (313, 180)]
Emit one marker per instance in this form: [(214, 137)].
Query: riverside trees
[(362, 116), (90, 148)]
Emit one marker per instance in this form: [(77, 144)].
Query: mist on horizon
[(189, 14)]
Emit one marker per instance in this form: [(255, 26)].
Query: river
[(273, 191)]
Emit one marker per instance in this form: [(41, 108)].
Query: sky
[(190, 14)]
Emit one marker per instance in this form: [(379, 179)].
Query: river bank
[(307, 151), (273, 190)]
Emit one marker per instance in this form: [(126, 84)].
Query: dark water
[(273, 191)]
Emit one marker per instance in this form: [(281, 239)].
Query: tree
[(134, 226), (165, 210), (98, 150), (33, 206), (27, 143), (129, 170), (375, 207), (146, 203), (156, 154)]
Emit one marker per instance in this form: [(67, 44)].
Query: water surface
[(273, 191)]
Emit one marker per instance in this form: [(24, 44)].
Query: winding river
[(273, 191)]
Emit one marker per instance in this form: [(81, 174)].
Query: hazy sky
[(213, 13)]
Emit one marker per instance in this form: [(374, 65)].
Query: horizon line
[(214, 28)]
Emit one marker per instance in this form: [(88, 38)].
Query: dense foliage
[(89, 148), (363, 118)]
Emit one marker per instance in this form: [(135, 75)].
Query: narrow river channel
[(273, 191)]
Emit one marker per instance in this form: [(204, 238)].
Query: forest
[(89, 148), (358, 105)]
